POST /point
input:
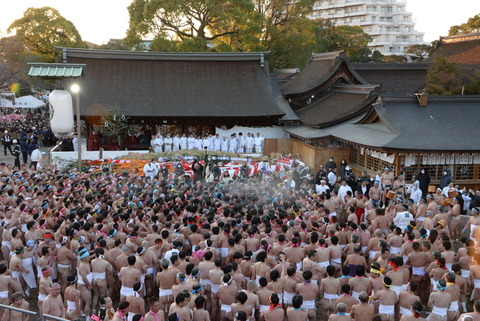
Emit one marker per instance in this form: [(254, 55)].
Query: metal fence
[(29, 315)]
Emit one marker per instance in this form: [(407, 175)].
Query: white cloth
[(342, 191), (287, 297), (263, 308), (418, 270), (28, 274), (71, 306), (226, 308), (386, 309), (405, 311), (308, 304), (403, 219), (442, 312), (454, 306), (126, 291), (150, 170)]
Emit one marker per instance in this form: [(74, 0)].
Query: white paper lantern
[(61, 113)]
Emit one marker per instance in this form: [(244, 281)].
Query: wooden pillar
[(398, 164), (476, 169)]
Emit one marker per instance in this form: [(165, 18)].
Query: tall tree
[(421, 51), (443, 78), (471, 26), (181, 20), (41, 29)]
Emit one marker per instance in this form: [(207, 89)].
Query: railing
[(25, 313)]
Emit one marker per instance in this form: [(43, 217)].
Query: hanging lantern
[(61, 113)]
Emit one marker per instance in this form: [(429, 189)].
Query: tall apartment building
[(386, 21)]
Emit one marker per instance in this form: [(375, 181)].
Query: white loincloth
[(28, 274)]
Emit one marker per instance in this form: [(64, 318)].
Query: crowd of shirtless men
[(124, 247)]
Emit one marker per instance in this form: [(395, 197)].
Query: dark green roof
[(55, 70)]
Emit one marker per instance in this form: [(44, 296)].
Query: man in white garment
[(157, 144), (332, 178), (249, 143), (211, 140), (258, 142), (183, 142), (224, 144), (191, 142), (233, 144), (343, 189), (216, 142), (168, 142), (176, 142), (198, 142), (415, 192), (151, 169), (205, 143), (241, 143)]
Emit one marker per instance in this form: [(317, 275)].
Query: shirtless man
[(374, 245), (65, 259), (205, 266), (199, 313), (85, 280), (263, 294), (355, 259), (72, 298), (475, 316), (16, 264), (359, 283), (6, 282), (181, 308), (252, 298), (137, 304), (150, 259), (274, 312), (166, 280), (100, 269), (226, 295), (407, 297), (418, 260), (439, 302), (155, 314), (44, 286), (375, 192), (363, 310), (395, 274), (386, 179), (342, 314), (296, 313), (415, 310), (346, 298), (454, 290), (294, 253), (20, 303), (261, 269), (309, 291), (129, 276), (53, 304), (335, 252), (330, 289), (387, 300), (240, 305), (215, 276)]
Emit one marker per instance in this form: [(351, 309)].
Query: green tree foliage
[(281, 27), (443, 78), (14, 69), (473, 88), (41, 29), (420, 51), (471, 26)]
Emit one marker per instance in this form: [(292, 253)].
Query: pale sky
[(99, 20)]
